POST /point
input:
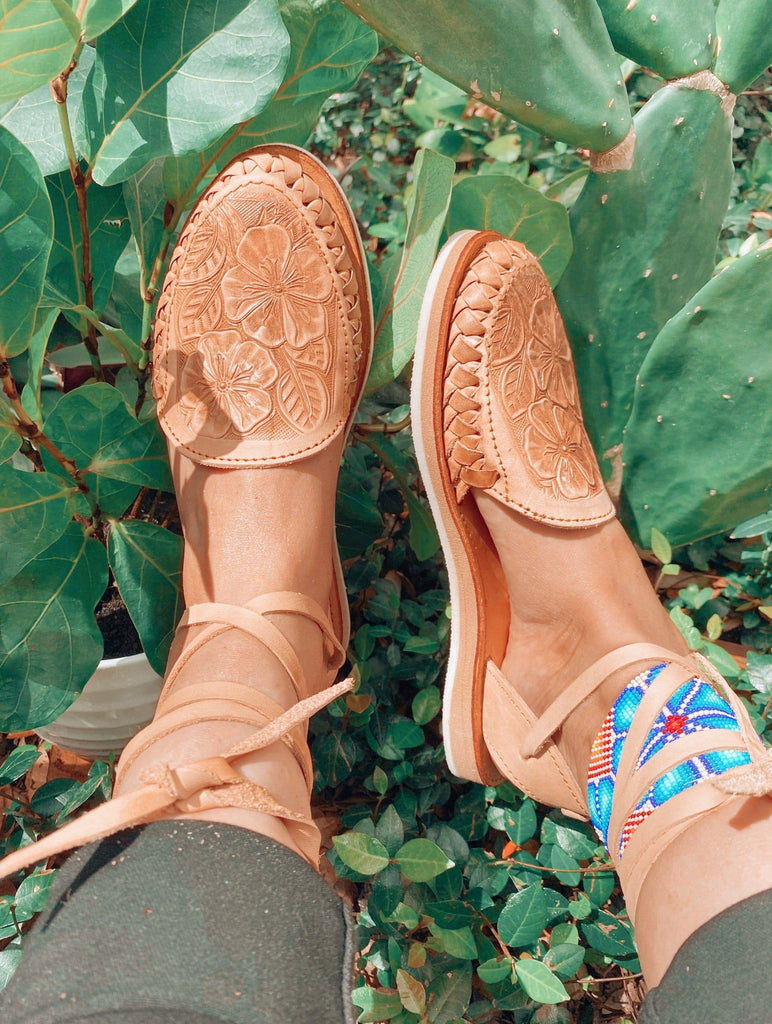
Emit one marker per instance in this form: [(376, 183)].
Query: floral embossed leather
[(513, 422), (259, 333)]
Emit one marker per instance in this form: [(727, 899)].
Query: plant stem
[(81, 182), (26, 427)]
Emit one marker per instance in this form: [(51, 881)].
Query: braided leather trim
[(473, 313), (286, 176)]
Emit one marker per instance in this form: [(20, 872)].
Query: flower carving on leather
[(549, 359), (276, 291), (558, 451), (225, 384)]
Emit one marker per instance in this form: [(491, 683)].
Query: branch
[(27, 428), (81, 182)]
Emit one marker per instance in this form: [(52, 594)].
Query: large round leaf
[(697, 453), (35, 509), (497, 202), (169, 79), (37, 41), (50, 643), (26, 231), (146, 561)]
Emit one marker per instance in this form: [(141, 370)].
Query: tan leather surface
[(513, 422), (262, 329)]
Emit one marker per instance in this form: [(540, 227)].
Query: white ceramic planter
[(117, 701)]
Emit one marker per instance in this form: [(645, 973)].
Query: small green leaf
[(495, 970), (564, 959), (524, 917), (32, 895), (539, 983), (426, 705), (18, 763), (609, 935), (753, 527), (449, 995), (362, 853), (397, 315), (10, 442), (411, 992), (390, 830), (10, 958), (760, 671), (420, 860), (458, 942), (569, 836), (101, 14), (380, 780), (599, 885), (660, 546), (722, 660), (375, 1004)]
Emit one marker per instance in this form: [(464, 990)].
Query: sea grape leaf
[(50, 643), (146, 560), (26, 233)]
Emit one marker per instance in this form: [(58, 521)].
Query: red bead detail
[(675, 725)]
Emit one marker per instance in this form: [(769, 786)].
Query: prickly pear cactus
[(697, 451), (645, 238), (673, 39), (547, 63), (744, 30)]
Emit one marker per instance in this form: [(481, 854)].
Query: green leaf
[(565, 867), (745, 30), (335, 755), (145, 201), (671, 39), (329, 48), (495, 970), (357, 520), (424, 539), (109, 230), (390, 830), (361, 852), (32, 895), (375, 1004), (101, 14), (609, 935), (10, 958), (449, 995), (34, 119), (10, 442), (18, 763), (98, 779), (35, 509), (496, 202), (164, 85), (660, 546), (37, 41), (147, 563), (704, 481), (26, 232), (31, 394), (539, 983), (458, 942), (94, 426), (420, 860), (599, 885), (569, 836), (426, 705), (524, 917), (396, 318), (722, 660), (753, 527), (50, 643), (411, 992), (759, 672)]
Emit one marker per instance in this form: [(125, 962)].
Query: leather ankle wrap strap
[(585, 685), (203, 785)]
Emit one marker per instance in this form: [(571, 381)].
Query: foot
[(573, 597)]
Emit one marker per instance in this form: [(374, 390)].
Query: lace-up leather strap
[(251, 619), (203, 785)]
